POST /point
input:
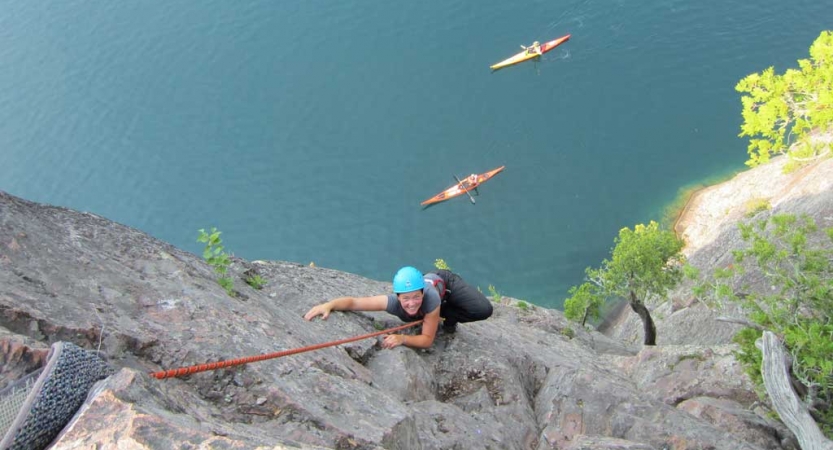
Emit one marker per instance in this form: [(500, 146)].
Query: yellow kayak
[(527, 55)]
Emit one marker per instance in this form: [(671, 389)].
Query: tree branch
[(784, 400), (743, 322)]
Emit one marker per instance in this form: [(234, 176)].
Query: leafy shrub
[(256, 282), (496, 297), (584, 303), (784, 114), (797, 303), (217, 258)]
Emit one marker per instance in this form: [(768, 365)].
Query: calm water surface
[(311, 131)]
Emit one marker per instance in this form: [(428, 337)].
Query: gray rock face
[(707, 382), (524, 379), (731, 416), (128, 411)]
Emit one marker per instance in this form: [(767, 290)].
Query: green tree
[(791, 113), (795, 302), (645, 264), (585, 301)]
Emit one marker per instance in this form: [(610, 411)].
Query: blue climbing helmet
[(407, 279)]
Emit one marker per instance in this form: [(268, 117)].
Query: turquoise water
[(311, 131)]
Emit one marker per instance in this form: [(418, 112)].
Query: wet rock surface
[(524, 379)]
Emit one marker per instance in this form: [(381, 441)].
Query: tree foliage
[(796, 303), (585, 301), (215, 255), (645, 264), (792, 113), (440, 264)]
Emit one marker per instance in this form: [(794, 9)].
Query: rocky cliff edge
[(524, 379), (709, 228)]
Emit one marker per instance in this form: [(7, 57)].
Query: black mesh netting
[(59, 391)]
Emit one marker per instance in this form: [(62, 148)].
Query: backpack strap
[(438, 284)]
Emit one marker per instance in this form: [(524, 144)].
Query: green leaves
[(811, 344), (440, 264), (749, 355), (496, 297), (796, 301), (585, 302), (256, 282), (216, 257), (790, 114), (645, 263)]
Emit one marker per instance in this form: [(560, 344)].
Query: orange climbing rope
[(239, 361)]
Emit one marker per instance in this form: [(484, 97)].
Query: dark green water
[(311, 131)]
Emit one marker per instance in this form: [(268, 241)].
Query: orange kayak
[(525, 55), (466, 185)]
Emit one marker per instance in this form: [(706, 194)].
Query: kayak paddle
[(464, 188)]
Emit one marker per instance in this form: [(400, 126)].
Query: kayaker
[(534, 48), (469, 182), (416, 296)]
